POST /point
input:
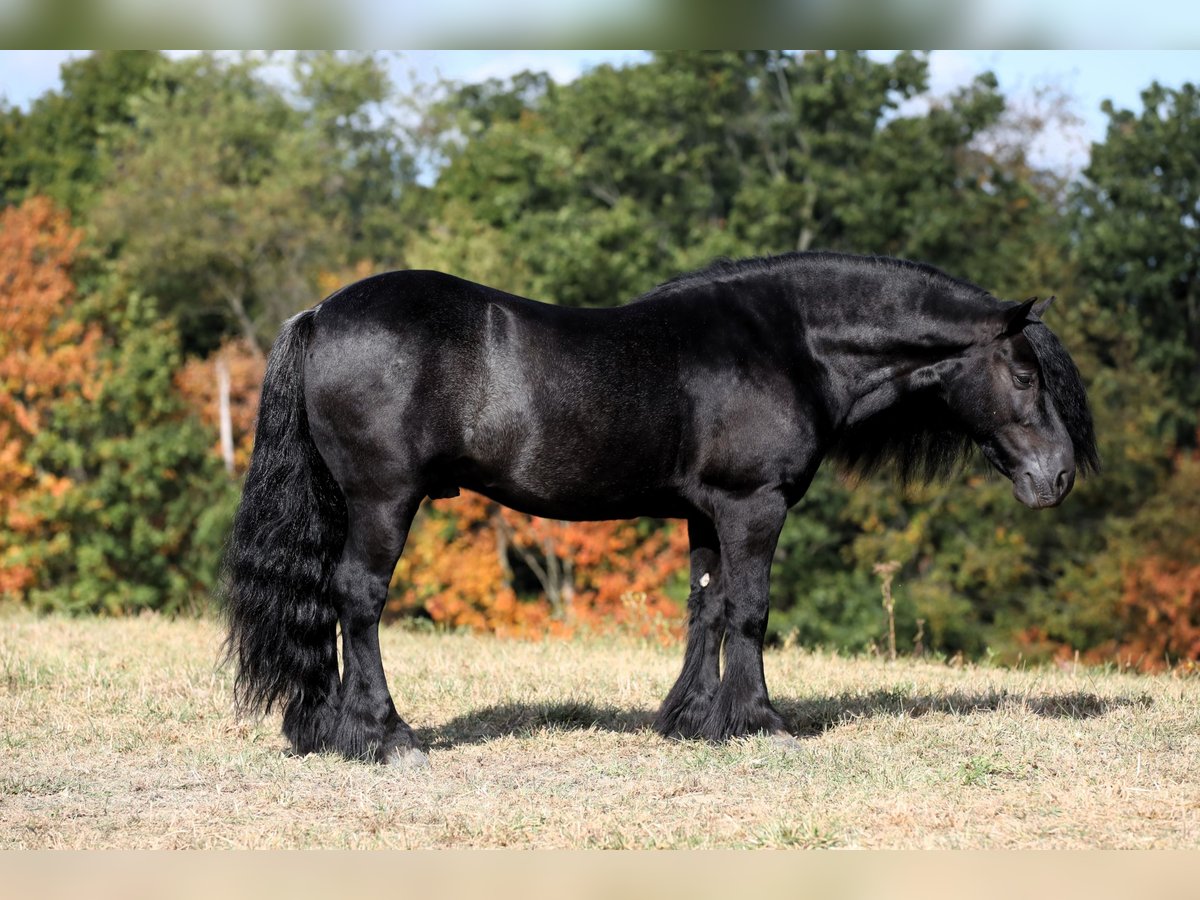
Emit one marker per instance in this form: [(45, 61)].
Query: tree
[(144, 504), (727, 154), (46, 355), (349, 100), (227, 196), (1139, 235), (234, 196), (56, 150), (110, 498), (1155, 619), (199, 383)]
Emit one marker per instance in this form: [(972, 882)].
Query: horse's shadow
[(812, 716), (805, 717), (521, 719)]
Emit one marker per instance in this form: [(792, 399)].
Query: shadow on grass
[(814, 715), (522, 719), (805, 717)]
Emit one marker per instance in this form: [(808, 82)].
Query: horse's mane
[(725, 269), (918, 437), (1062, 380)]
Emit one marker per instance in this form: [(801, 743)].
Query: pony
[(713, 398)]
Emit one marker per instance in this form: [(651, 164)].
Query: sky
[(1088, 76)]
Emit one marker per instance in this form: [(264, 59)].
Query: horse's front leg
[(687, 705), (748, 529)]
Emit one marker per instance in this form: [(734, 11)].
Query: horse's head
[(1021, 398)]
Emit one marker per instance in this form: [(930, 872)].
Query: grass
[(119, 733)]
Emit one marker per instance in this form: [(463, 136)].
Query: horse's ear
[(1040, 308), (1017, 317)]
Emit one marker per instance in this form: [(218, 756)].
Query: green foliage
[(143, 521), (226, 197), (347, 99), (57, 148), (1139, 243), (727, 154)]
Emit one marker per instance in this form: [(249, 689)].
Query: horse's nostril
[(1060, 482)]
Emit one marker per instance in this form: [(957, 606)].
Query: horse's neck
[(878, 365)]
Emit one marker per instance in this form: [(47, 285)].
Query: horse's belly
[(564, 487), (584, 507)]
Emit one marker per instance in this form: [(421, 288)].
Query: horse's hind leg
[(368, 726), (687, 706)]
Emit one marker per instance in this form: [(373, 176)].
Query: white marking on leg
[(704, 580)]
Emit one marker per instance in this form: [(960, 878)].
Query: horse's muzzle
[(1037, 488)]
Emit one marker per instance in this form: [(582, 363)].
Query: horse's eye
[(1023, 379)]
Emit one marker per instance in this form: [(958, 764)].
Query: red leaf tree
[(46, 354)]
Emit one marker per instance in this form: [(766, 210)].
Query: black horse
[(712, 399)]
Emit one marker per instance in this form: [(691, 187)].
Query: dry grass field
[(119, 733)]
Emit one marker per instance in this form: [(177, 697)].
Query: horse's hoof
[(785, 741), (407, 758)]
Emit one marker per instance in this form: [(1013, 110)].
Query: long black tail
[(287, 535)]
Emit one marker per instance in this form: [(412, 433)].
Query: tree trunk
[(568, 587), (238, 307), (223, 415), (553, 583), (500, 527)]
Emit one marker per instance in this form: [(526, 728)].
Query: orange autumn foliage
[(45, 355), (197, 382), (1157, 614), (458, 565), (1160, 606), (450, 568)]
